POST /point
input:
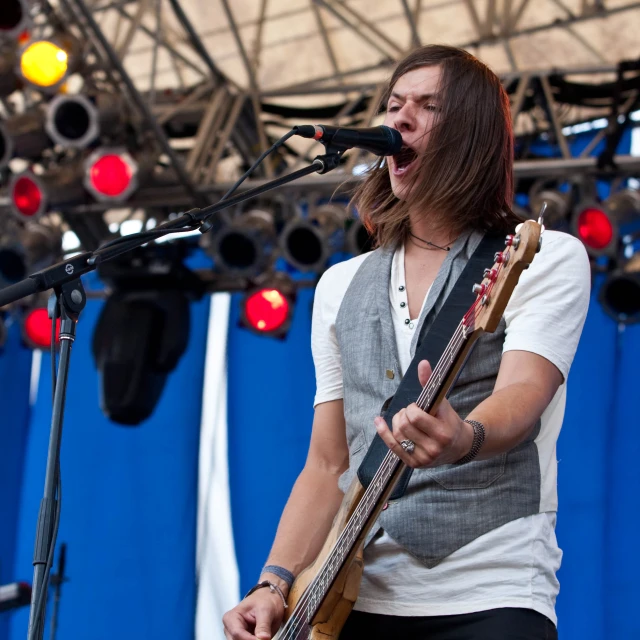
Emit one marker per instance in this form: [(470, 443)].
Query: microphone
[(381, 141)]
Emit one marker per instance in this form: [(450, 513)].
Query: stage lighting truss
[(266, 309), (243, 246), (307, 243)]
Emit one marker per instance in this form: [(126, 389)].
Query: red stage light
[(266, 310), (595, 228), (37, 328), (111, 174), (26, 196)]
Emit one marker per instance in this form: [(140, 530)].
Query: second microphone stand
[(64, 279)]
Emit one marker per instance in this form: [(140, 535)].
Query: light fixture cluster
[(609, 229)]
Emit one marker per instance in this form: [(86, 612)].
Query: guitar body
[(337, 605)]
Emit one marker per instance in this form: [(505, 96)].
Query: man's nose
[(404, 119)]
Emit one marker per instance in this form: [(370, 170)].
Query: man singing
[(470, 550)]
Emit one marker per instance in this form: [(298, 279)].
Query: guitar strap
[(431, 345)]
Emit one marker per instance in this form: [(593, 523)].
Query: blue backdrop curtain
[(15, 373), (129, 501)]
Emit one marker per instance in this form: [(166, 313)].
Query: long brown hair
[(465, 176)]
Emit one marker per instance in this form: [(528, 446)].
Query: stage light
[(620, 293), (31, 195), (139, 338), (111, 174), (268, 309), (244, 246), (37, 329), (27, 195), (593, 225), (72, 121), (624, 206), (44, 63), (308, 242), (14, 18)]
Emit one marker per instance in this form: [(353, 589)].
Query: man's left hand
[(440, 439)]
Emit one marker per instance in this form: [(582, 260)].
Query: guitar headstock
[(500, 280)]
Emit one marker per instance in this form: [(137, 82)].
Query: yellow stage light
[(44, 63)]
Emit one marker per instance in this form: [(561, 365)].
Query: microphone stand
[(70, 297), (56, 581)]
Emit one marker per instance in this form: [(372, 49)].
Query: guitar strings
[(388, 466)]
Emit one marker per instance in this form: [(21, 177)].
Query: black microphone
[(381, 141)]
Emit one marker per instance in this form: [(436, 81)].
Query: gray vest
[(446, 507)]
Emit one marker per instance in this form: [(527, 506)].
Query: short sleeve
[(324, 344), (549, 305)]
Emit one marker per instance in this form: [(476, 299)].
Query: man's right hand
[(258, 616)]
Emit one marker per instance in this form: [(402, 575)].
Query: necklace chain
[(431, 244)]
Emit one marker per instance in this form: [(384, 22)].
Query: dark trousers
[(494, 624)]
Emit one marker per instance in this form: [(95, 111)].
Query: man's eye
[(393, 108), (431, 107)]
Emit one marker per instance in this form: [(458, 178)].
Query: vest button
[(390, 374), (401, 287), (407, 321), (403, 304)]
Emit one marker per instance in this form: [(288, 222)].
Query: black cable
[(251, 169)]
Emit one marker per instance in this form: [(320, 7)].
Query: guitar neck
[(379, 489)]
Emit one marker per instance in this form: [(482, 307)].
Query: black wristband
[(476, 444)]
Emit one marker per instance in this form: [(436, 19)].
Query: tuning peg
[(499, 257), (479, 289), (512, 241), (491, 274)]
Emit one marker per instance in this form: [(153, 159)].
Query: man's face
[(412, 110)]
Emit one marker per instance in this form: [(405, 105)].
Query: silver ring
[(408, 445)]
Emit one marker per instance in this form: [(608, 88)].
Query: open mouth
[(403, 160)]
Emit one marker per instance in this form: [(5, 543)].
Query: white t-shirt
[(514, 565)]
